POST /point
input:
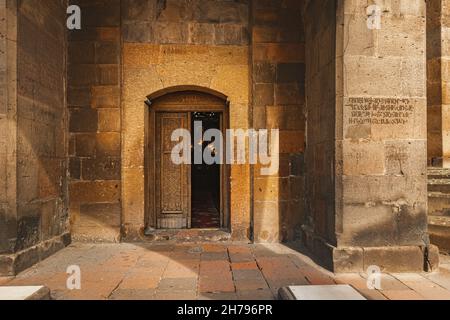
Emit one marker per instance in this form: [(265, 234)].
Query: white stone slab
[(332, 292), (23, 293)]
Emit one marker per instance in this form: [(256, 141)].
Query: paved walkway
[(126, 271)]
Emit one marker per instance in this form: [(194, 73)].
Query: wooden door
[(173, 192)]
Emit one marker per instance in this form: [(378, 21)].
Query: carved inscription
[(379, 111)]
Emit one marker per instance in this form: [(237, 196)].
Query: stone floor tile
[(214, 267), (175, 295), (402, 295), (226, 296), (276, 285), (4, 280), (222, 283), (278, 268), (133, 294), (244, 266), (241, 257), (212, 256), (389, 283), (423, 286), (139, 282), (128, 271), (251, 284), (353, 279), (259, 295), (247, 274), (178, 284), (441, 278), (372, 294), (217, 248), (182, 269)]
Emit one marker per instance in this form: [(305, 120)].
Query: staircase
[(439, 207)]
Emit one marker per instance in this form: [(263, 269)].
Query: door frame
[(179, 102)]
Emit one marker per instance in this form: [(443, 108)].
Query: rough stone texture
[(34, 212), (367, 187), (149, 68), (182, 43), (354, 178), (95, 123), (200, 22), (8, 133), (279, 103)]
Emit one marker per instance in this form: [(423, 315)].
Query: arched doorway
[(190, 195)]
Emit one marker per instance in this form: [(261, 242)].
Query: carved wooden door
[(172, 194)]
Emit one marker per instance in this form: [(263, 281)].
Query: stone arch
[(187, 88)]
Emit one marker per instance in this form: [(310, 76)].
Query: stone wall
[(8, 135), (36, 217), (434, 82), (320, 22), (279, 103), (379, 173), (438, 61), (182, 43), (95, 123)]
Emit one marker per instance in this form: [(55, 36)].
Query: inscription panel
[(379, 111), (378, 118)]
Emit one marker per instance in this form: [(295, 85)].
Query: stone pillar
[(367, 156)]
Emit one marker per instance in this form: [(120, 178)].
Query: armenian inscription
[(379, 111)]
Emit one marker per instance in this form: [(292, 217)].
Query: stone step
[(439, 185), (438, 204), (439, 230), (187, 235), (438, 173), (24, 293)]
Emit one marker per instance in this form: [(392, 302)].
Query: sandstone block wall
[(182, 43), (320, 22), (93, 98), (378, 213), (36, 217), (8, 133), (278, 86)]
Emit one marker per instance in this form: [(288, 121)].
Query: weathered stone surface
[(396, 259), (94, 192), (348, 260), (94, 87), (354, 176), (33, 148)]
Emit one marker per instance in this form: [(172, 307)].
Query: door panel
[(173, 200)]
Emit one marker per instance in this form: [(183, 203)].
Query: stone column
[(368, 186)]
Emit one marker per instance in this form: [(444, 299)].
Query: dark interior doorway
[(206, 179)]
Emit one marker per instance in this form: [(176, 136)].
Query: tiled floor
[(126, 271), (204, 212)]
